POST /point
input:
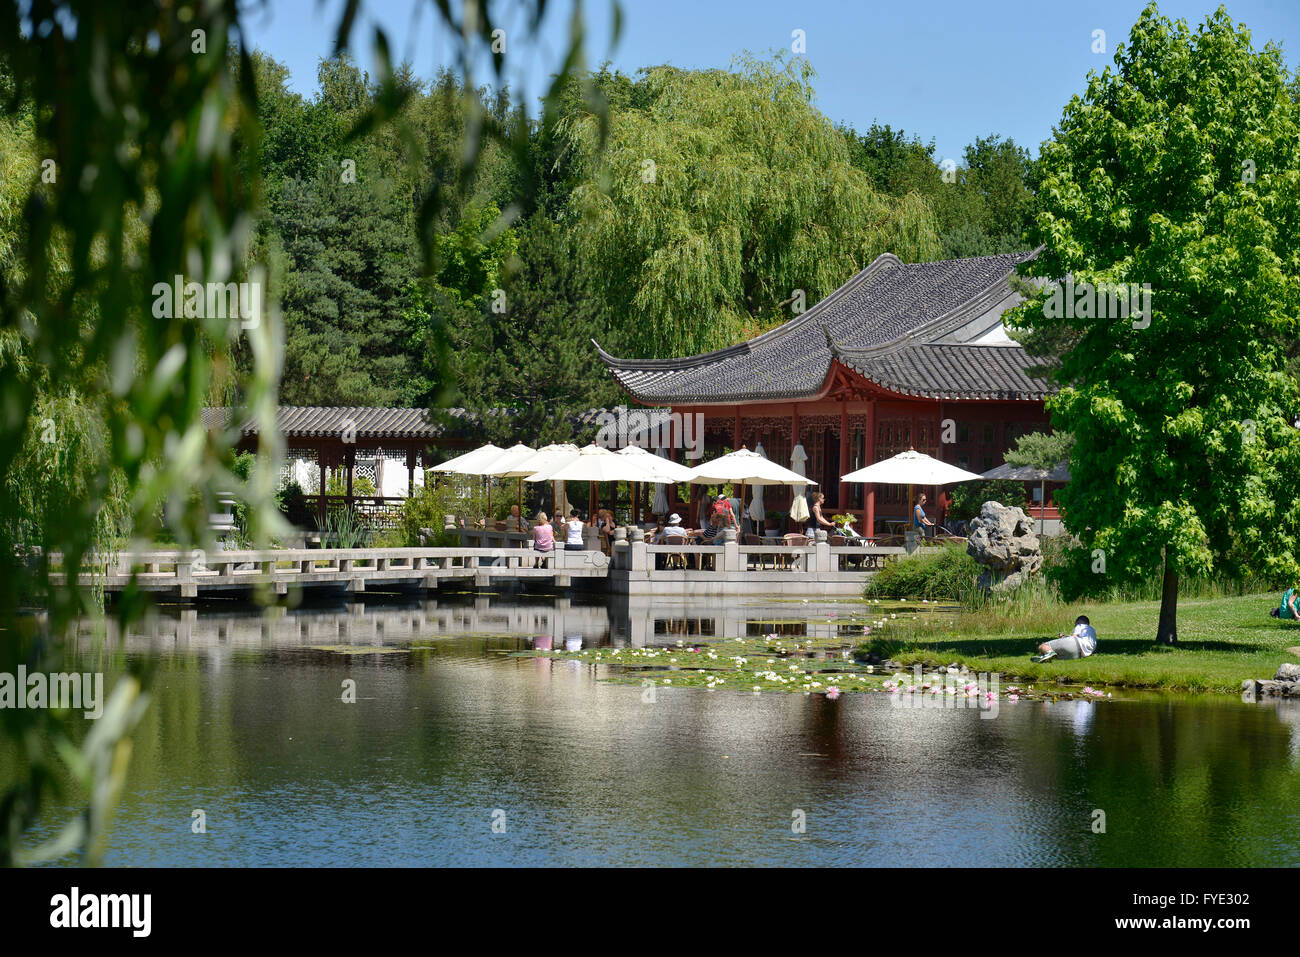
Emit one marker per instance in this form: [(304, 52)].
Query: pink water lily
[(832, 692)]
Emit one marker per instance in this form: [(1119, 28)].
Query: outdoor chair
[(674, 561), (791, 539), (762, 557), (840, 541)]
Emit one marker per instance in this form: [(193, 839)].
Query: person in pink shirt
[(543, 538)]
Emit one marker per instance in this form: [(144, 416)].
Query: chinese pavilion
[(903, 355)]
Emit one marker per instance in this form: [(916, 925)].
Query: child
[(1080, 643)]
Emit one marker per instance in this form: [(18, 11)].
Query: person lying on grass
[(1079, 643), (1288, 609)]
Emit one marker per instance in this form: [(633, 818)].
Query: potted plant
[(772, 521)]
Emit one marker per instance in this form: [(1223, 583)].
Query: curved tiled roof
[(315, 422), (904, 326)]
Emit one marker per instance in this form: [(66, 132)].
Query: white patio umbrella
[(660, 506), (595, 464), (665, 469), (911, 468), (471, 462), (504, 466), (756, 506), (798, 504), (546, 458), (747, 468)]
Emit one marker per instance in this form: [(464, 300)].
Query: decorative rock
[(1002, 539), (1285, 684), (1287, 672)]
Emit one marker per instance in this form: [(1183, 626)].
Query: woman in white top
[(573, 530)]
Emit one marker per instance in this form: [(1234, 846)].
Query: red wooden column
[(843, 500), (869, 456), (735, 432)]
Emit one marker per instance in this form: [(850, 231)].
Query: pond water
[(450, 735)]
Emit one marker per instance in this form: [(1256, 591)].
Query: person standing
[(721, 518), (919, 521), (818, 520)]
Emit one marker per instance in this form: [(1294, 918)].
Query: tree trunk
[(1167, 629)]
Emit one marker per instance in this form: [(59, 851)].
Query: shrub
[(968, 499), (361, 485), (945, 572), (432, 503), (294, 506)]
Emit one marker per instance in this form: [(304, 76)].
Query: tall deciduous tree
[(720, 199), (1179, 167)]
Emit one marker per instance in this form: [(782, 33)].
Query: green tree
[(1180, 168), (544, 370), (155, 145), (720, 199), (1041, 450), (350, 254)]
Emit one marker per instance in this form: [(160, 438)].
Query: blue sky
[(947, 70)]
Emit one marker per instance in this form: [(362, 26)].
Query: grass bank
[(1222, 641)]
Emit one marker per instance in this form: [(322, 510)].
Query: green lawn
[(1221, 642)]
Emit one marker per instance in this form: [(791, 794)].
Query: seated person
[(543, 537), (1289, 609), (674, 527), (515, 521), (605, 526), (1079, 643), (573, 541)]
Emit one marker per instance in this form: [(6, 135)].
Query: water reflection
[(248, 724)]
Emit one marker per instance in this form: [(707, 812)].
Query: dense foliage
[(1179, 168), (969, 497), (945, 572), (722, 202)]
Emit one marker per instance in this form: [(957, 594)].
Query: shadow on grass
[(1011, 647)]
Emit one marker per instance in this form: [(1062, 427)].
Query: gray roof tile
[(884, 323)]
